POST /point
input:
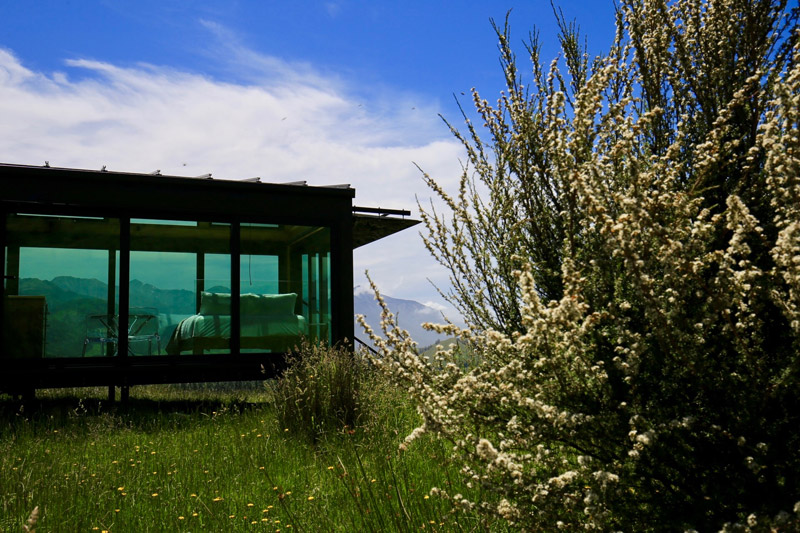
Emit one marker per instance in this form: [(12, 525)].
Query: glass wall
[(60, 277), (284, 286), (178, 271), (62, 294)]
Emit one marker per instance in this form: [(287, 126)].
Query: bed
[(268, 323)]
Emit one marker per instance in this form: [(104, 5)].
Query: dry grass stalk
[(30, 525)]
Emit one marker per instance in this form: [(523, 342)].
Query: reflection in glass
[(59, 301), (174, 267), (61, 280), (285, 286)]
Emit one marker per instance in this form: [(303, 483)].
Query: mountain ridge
[(409, 315)]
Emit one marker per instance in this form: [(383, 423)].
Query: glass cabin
[(120, 279)]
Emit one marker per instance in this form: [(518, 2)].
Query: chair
[(102, 330), (142, 332), (143, 328)]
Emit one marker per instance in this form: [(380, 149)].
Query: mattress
[(202, 332)]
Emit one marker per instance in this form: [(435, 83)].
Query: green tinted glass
[(61, 279)]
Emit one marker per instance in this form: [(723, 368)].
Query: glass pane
[(179, 288), (285, 286), (317, 294), (59, 301)]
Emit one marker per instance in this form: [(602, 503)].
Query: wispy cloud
[(231, 53), (285, 122), (333, 8)]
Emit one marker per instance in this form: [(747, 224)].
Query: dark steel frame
[(124, 196)]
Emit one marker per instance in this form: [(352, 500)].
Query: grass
[(192, 458)]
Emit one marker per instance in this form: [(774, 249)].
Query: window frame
[(123, 275)]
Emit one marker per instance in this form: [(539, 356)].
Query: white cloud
[(286, 123), (360, 290), (435, 307)]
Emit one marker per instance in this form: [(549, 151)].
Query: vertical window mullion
[(235, 286), (3, 223), (124, 284)]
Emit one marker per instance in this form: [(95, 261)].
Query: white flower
[(506, 510), (485, 450)]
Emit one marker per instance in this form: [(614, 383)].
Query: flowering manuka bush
[(626, 248)]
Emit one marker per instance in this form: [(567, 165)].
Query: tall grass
[(324, 389), (190, 458)]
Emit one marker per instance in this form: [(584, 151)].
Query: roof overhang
[(370, 228)]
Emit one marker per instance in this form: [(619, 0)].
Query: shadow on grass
[(146, 407)]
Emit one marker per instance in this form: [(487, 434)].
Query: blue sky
[(328, 92)]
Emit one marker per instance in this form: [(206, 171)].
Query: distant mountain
[(218, 288), (168, 301), (409, 314), (93, 288), (55, 294), (65, 288)]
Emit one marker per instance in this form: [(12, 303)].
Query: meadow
[(218, 458)]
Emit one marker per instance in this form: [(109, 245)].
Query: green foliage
[(626, 246), (213, 459), (324, 389)]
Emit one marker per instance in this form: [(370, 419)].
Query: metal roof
[(201, 196)]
